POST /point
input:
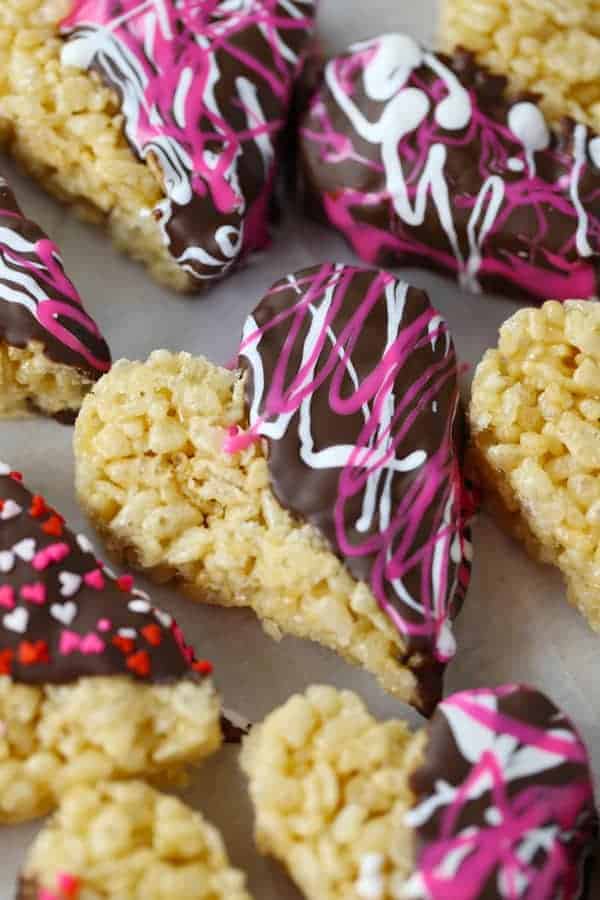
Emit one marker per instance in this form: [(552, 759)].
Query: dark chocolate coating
[(20, 270), (58, 602), (525, 783), (530, 247), (312, 492)]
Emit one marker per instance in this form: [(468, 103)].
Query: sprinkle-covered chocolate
[(505, 803), (419, 158), (64, 615), (353, 382), (205, 90), (37, 300)]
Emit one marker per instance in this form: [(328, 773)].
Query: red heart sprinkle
[(125, 583), (126, 645), (16, 476), (33, 652), (204, 666), (38, 506), (53, 526), (6, 658), (153, 635), (139, 663)]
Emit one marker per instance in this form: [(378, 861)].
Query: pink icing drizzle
[(377, 444), (553, 813), (46, 270), (545, 272), (175, 55)]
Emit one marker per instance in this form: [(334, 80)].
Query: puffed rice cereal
[(551, 47), (153, 477), (125, 841), (535, 414)]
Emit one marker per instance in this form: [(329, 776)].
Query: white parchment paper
[(516, 624)]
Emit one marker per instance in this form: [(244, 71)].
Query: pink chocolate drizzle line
[(42, 263), (189, 37), (518, 802), (547, 272), (438, 479)]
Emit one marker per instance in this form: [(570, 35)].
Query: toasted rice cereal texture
[(330, 791), (551, 47), (125, 841), (29, 380), (535, 418), (57, 737), (65, 128), (153, 477)]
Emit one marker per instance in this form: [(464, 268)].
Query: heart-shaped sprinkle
[(203, 666), (94, 579), (33, 652), (38, 506), (54, 553), (7, 597), (17, 620), (139, 663), (6, 658), (125, 583), (64, 612), (164, 618), (139, 606), (7, 561), (104, 625), (10, 510), (92, 645), (54, 526), (125, 645), (69, 643), (25, 549), (130, 633), (35, 593), (16, 476), (85, 544), (4, 469), (69, 582), (153, 634)]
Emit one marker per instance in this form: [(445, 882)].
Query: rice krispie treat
[(493, 801), (551, 47), (125, 841), (161, 120), (421, 159), (94, 682), (319, 484), (51, 351), (535, 415)]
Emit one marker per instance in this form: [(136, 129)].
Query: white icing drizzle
[(528, 124), (579, 152)]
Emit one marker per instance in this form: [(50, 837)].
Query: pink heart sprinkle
[(7, 597), (91, 644), (52, 554), (94, 579), (69, 643), (35, 593), (104, 625), (46, 895), (67, 883)]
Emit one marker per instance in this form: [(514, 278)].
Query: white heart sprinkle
[(25, 549), (142, 594), (7, 561), (84, 543), (5, 469), (127, 632), (64, 612), (139, 606), (10, 510), (109, 572), (164, 618), (69, 583), (17, 620)]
